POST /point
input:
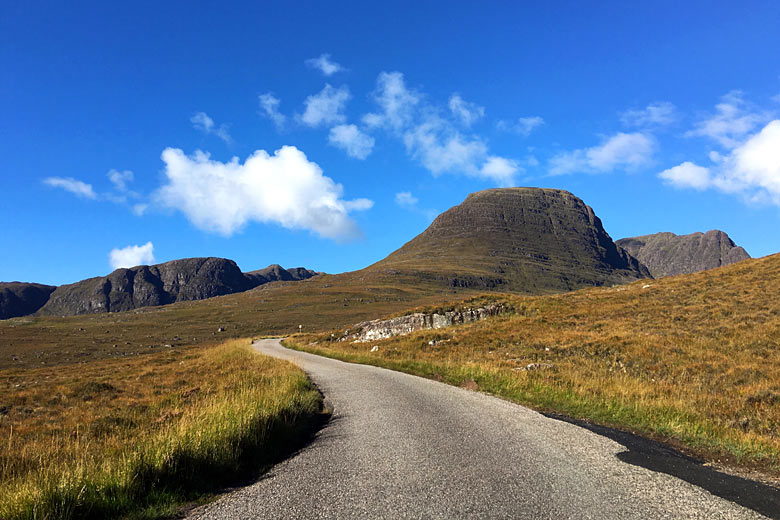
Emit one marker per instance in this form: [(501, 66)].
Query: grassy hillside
[(140, 436), (693, 360)]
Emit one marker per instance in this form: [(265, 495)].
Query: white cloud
[(626, 151), (78, 188), (350, 139), (284, 188), (687, 175), (324, 65), (131, 256), (120, 179), (430, 138), (752, 169), (406, 199), (269, 107), (734, 119), (466, 112), (326, 107), (661, 113), (523, 126), (396, 101), (201, 121)]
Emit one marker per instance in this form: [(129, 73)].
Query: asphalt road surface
[(399, 446)]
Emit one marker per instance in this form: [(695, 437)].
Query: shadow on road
[(655, 456)]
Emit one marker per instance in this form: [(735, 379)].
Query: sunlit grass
[(139, 437)]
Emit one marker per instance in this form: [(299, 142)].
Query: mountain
[(529, 240), (20, 299), (667, 254), (178, 280)]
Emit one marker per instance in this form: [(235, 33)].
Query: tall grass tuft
[(247, 411)]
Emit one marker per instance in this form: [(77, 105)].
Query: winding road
[(399, 446)]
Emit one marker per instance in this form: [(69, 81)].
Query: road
[(400, 446)]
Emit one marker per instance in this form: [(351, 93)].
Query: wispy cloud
[(406, 199), (269, 107), (324, 64), (620, 151), (733, 119), (350, 139), (69, 184), (202, 122), (522, 126), (465, 112), (654, 115), (131, 256), (284, 188), (326, 107), (433, 139)]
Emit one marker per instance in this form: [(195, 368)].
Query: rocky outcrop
[(21, 299), (175, 281), (522, 239), (381, 329), (667, 254), (277, 273)]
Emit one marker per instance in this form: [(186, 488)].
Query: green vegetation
[(691, 360), (138, 437)]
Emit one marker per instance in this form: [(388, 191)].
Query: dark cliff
[(20, 299)]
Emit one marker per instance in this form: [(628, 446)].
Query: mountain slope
[(175, 281), (521, 239), (667, 254), (20, 299)]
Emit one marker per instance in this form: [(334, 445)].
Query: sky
[(328, 134)]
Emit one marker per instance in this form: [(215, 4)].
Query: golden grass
[(692, 360), (140, 436)]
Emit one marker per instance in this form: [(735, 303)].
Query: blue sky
[(327, 136)]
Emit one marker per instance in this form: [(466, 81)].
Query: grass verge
[(140, 438)]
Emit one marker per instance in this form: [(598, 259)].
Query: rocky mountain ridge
[(667, 254), (141, 286)]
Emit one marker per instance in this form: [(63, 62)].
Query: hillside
[(20, 299), (529, 240), (691, 360), (667, 254), (175, 281)]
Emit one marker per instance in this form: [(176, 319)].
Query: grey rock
[(667, 254)]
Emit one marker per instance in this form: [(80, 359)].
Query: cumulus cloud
[(751, 169), (350, 139), (131, 256), (464, 111), (406, 199), (202, 122), (76, 187), (734, 119), (326, 107), (621, 151), (284, 188), (324, 64), (523, 126), (432, 139), (269, 107), (661, 113)]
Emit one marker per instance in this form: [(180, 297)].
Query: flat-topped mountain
[(174, 281), (522, 239), (20, 299), (667, 254)]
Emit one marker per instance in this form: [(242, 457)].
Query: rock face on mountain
[(523, 239), (20, 299), (277, 273), (667, 254), (178, 280)]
